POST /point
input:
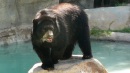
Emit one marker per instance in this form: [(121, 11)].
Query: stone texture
[(73, 65), (114, 36), (16, 17), (15, 34), (114, 18), (18, 12)]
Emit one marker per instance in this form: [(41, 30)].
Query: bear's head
[(45, 26)]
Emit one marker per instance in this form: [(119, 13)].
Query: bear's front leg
[(45, 56), (47, 64)]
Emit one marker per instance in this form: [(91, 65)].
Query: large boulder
[(109, 18), (73, 65)]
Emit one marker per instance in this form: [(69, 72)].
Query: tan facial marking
[(48, 36)]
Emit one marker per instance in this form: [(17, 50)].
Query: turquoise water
[(19, 57)]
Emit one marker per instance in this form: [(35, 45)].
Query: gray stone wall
[(20, 12), (16, 18), (113, 18)]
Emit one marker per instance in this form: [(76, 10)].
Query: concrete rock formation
[(14, 13), (73, 65), (109, 18), (114, 36), (18, 13)]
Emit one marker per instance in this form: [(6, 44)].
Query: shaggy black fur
[(69, 24)]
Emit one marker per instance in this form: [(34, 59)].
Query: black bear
[(56, 31)]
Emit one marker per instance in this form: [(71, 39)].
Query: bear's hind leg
[(84, 43)]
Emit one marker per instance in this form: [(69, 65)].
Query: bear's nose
[(50, 33)]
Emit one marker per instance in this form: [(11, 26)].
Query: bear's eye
[(51, 27)]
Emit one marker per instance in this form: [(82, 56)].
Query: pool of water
[(20, 57)]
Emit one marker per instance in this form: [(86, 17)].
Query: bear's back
[(65, 8)]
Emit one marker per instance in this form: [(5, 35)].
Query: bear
[(55, 32)]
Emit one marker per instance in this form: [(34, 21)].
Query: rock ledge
[(73, 65)]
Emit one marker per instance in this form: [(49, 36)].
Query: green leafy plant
[(98, 32)]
